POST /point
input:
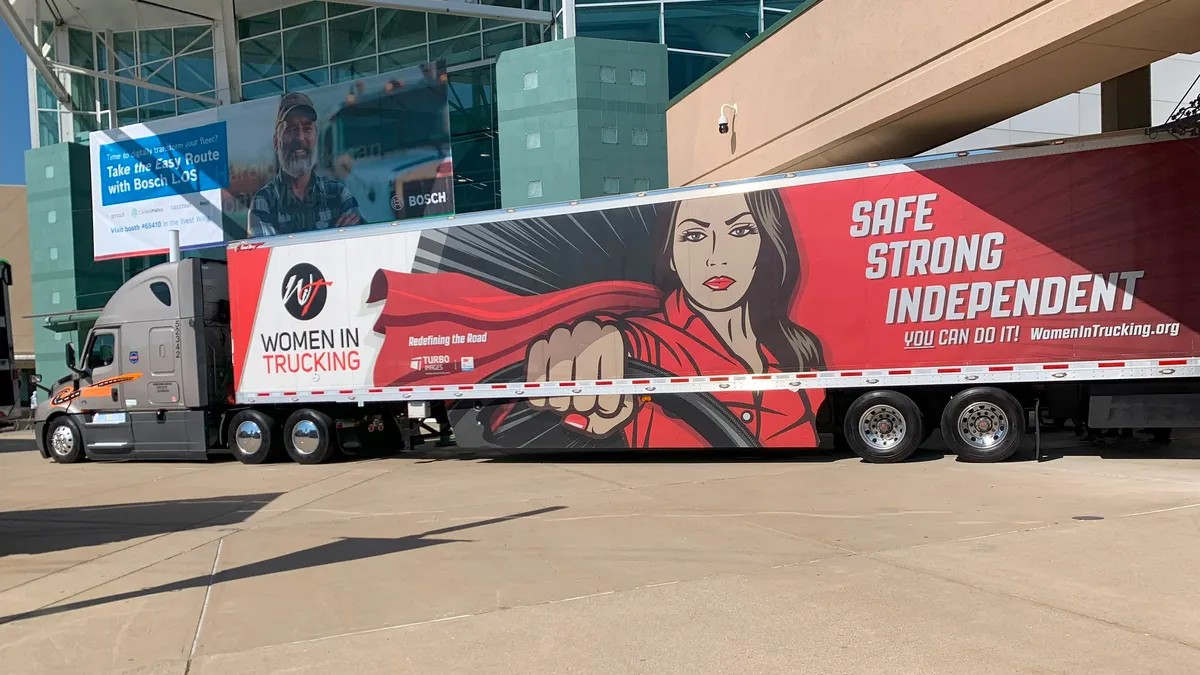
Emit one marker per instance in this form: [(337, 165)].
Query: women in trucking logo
[(726, 271)]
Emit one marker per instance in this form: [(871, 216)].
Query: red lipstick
[(719, 283)]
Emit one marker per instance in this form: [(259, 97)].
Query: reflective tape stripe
[(941, 375)]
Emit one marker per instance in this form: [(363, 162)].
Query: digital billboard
[(370, 150)]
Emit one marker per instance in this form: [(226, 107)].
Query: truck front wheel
[(983, 424), (884, 427), (308, 437), (64, 441), (253, 437)]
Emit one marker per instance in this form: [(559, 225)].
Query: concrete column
[(226, 57), (1125, 101)]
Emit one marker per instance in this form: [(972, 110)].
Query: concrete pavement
[(604, 563)]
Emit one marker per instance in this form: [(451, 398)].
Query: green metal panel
[(585, 88), (64, 277)]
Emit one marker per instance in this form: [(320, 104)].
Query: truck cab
[(155, 375)]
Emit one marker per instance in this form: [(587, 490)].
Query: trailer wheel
[(983, 424), (64, 441), (884, 427), (253, 437), (308, 437)]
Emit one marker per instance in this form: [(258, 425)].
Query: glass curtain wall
[(699, 34), (181, 58), (319, 43)]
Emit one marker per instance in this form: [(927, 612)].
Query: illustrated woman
[(728, 268)]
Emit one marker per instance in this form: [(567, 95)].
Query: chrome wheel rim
[(983, 425), (62, 441), (882, 427), (248, 437), (306, 437)]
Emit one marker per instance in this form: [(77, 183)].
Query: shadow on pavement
[(17, 445), (59, 529), (344, 549)]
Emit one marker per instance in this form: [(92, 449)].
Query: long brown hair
[(776, 277)]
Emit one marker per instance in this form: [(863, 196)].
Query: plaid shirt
[(277, 210)]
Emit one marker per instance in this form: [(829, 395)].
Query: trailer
[(973, 293)]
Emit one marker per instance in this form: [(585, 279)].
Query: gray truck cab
[(155, 375)]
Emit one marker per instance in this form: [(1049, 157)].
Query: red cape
[(502, 324)]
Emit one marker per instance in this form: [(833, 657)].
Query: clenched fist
[(586, 351)]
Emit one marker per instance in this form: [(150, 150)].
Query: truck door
[(107, 429), (160, 423)]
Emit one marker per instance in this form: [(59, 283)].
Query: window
[(637, 77), (714, 26), (612, 185), (641, 137), (636, 23), (533, 139), (104, 345), (531, 81), (608, 74), (162, 291), (684, 69), (608, 135)]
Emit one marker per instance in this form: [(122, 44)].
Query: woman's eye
[(693, 236), (743, 230)]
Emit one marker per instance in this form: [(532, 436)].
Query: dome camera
[(723, 121)]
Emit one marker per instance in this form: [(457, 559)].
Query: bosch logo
[(397, 202), (304, 291)]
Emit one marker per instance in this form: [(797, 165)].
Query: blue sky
[(14, 111)]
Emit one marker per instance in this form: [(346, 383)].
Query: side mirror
[(35, 379), (71, 357)]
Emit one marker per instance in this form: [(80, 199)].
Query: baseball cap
[(295, 100)]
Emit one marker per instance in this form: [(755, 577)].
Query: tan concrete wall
[(861, 80), (14, 246)]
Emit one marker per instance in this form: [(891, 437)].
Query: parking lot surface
[(657, 563)]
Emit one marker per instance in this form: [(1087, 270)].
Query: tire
[(884, 427), (983, 424), (69, 437), (253, 437), (308, 437)]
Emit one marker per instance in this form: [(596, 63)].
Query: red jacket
[(681, 342)]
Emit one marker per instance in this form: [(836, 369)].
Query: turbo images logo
[(304, 291)]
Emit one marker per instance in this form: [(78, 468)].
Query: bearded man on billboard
[(298, 199)]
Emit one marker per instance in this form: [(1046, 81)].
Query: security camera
[(723, 121)]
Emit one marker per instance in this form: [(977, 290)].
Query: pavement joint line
[(1166, 510), (542, 603), (1108, 474), (843, 554), (198, 526), (212, 575), (1033, 601), (182, 471)]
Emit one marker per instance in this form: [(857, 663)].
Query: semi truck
[(10, 392), (972, 294)]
